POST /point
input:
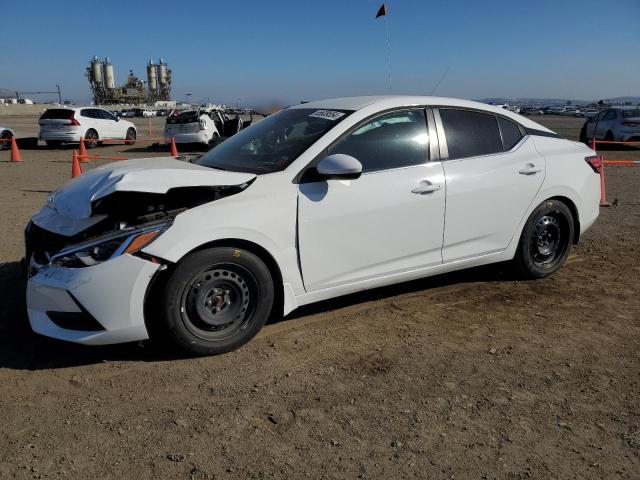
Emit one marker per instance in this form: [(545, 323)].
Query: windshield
[(633, 113), (272, 144)]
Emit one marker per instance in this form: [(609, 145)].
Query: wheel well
[(157, 283), (574, 214)]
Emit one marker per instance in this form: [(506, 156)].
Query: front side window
[(272, 144), (393, 140), (470, 134)]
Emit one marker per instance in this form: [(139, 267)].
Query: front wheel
[(131, 136), (215, 301), (546, 240)]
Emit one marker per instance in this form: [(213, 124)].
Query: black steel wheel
[(546, 240), (91, 138), (131, 136), (214, 301)]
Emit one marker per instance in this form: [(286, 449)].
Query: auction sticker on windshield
[(327, 114)]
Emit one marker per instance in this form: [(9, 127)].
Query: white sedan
[(317, 201)]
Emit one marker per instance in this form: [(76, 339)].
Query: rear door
[(387, 221), (493, 173)]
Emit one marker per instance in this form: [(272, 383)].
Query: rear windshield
[(57, 114), (631, 113), (184, 117)]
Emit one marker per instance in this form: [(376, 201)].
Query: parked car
[(191, 126), (63, 125), (163, 112), (5, 135), (127, 113), (615, 124), (313, 202)]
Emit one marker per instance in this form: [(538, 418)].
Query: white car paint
[(203, 130), (74, 123), (327, 238), (620, 124)]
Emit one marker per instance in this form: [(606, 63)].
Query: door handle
[(529, 169), (425, 188)]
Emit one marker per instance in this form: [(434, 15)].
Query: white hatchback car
[(319, 200), (191, 126), (60, 125)]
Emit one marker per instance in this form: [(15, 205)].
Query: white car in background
[(191, 126), (615, 124), (5, 136), (62, 125), (316, 201)]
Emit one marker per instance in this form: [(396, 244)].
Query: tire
[(53, 143), (545, 241), (583, 135), (215, 301), (131, 136), (609, 136), (6, 136), (91, 138)]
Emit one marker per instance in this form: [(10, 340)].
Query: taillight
[(595, 162), (202, 125), (74, 121)]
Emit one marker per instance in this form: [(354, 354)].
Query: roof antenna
[(444, 74)]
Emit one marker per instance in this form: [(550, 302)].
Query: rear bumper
[(97, 305), (196, 137), (63, 136)]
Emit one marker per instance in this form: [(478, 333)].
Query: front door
[(390, 220)]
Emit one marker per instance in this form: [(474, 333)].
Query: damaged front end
[(126, 223)]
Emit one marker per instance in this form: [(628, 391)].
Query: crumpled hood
[(152, 175)]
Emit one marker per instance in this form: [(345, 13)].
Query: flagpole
[(386, 27)]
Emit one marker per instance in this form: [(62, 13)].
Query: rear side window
[(395, 140), (510, 133), (57, 114), (470, 134)]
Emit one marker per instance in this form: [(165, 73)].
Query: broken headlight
[(107, 247)]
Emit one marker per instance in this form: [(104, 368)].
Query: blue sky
[(287, 51)]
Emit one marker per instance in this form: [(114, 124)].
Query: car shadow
[(22, 349)]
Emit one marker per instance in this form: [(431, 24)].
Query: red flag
[(382, 11)]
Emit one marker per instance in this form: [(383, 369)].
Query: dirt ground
[(468, 375)]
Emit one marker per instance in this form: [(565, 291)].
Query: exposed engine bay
[(122, 212)]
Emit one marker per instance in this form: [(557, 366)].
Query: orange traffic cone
[(76, 169), (83, 151), (174, 149), (15, 153)]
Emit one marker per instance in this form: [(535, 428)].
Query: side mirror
[(339, 166)]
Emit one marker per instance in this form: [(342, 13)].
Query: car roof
[(384, 102)]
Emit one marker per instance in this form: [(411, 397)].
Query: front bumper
[(97, 305)]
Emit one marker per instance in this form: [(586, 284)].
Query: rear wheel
[(6, 139), (546, 240), (91, 138), (215, 301), (131, 136), (583, 135), (609, 136)]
